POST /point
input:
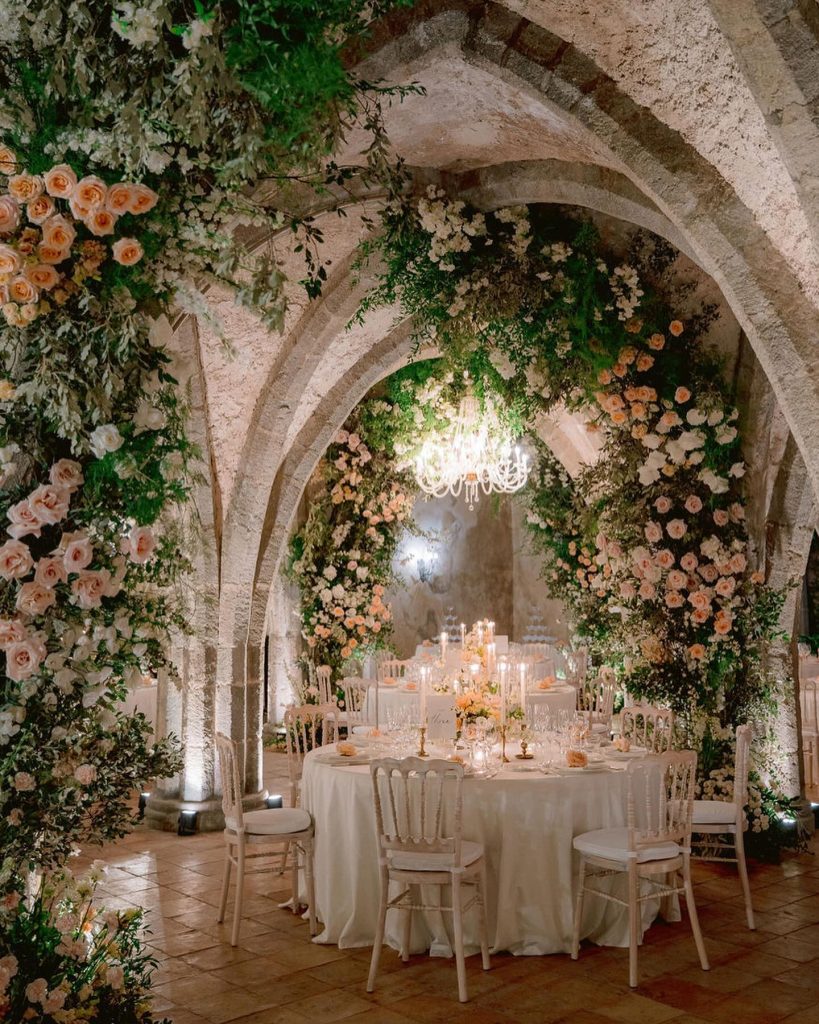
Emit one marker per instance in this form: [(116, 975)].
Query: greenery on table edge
[(191, 127), (531, 306)]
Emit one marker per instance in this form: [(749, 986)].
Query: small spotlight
[(186, 826), (274, 800), (143, 803)]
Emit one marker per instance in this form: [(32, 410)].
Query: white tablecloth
[(526, 822)]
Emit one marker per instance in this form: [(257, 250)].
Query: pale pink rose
[(676, 528), (674, 599), (24, 520), (50, 571), (85, 774), (90, 586), (701, 615), (60, 181), (119, 198), (143, 199), (8, 160), (677, 580), (42, 276), (127, 251), (34, 599), (682, 395), (24, 783), (653, 532), (40, 209), (737, 512), (664, 558), (15, 560), (726, 586), (100, 222), (141, 544), (79, 210), (66, 473), (90, 191), (9, 260), (23, 659), (49, 503), (12, 631), (699, 599), (708, 572), (9, 215), (689, 562), (59, 232), (693, 504), (628, 591), (25, 187), (78, 554), (22, 290), (739, 562), (720, 517), (663, 505), (52, 254), (647, 591)]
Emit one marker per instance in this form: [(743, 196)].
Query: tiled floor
[(276, 976)]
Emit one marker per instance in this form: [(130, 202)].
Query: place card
[(441, 719)]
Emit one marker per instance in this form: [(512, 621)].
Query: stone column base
[(805, 820), (162, 812)]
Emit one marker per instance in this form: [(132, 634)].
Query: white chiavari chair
[(306, 727), (809, 708), (648, 726), (324, 682), (655, 855), (394, 668), (249, 835), (417, 849), (726, 821), (355, 703), (577, 663), (595, 697)]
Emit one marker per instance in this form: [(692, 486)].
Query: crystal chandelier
[(475, 453)]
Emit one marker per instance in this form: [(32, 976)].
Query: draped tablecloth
[(526, 822)]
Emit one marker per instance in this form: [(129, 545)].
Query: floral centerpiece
[(471, 705)]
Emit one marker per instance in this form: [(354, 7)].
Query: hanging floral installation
[(137, 139)]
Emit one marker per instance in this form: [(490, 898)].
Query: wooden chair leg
[(379, 930), (482, 919), (742, 867), (295, 878), (225, 885), (406, 928), (633, 922), (240, 885), (311, 884), (578, 908), (692, 914), (458, 936)]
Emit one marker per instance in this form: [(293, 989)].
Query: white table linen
[(526, 823)]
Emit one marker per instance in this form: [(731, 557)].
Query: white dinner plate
[(332, 758), (594, 766), (624, 755)]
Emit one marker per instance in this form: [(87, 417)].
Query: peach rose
[(647, 591), (726, 586), (100, 222), (66, 473), (25, 187), (737, 512), (627, 355), (689, 562), (90, 191), (708, 572), (49, 503), (50, 571), (674, 599), (78, 554), (676, 328), (51, 253), (618, 417), (142, 544), (664, 559), (693, 504), (604, 377), (628, 591), (12, 631), (9, 214), (42, 276), (644, 362), (757, 577), (90, 586), (663, 504), (619, 370), (9, 260), (40, 209), (24, 520), (657, 342), (638, 411), (720, 517), (682, 395), (677, 580), (127, 251), (58, 232), (739, 562), (79, 210), (22, 290), (676, 528), (23, 659), (119, 198), (143, 199), (33, 599), (722, 626), (8, 160), (653, 532), (638, 431), (60, 181), (701, 615), (697, 651), (699, 599)]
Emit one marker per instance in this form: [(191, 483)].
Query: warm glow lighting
[(476, 453)]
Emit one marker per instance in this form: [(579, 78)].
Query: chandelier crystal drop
[(477, 452)]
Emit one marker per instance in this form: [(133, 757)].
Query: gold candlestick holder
[(504, 758), (524, 754), (421, 746)]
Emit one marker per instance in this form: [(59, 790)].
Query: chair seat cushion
[(276, 821), (714, 812), (470, 852), (612, 844)]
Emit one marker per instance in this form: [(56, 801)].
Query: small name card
[(441, 719)]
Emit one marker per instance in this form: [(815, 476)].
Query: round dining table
[(526, 822)]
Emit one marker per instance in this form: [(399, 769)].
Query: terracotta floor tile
[(791, 947), (683, 994), (637, 1009)]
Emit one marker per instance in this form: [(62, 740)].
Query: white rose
[(105, 439), (148, 417)]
